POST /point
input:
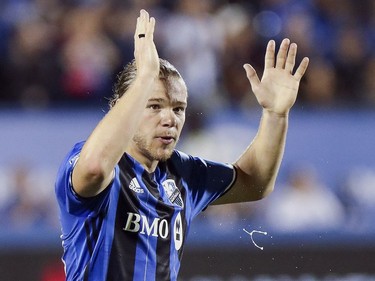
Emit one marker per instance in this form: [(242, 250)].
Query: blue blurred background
[(59, 59)]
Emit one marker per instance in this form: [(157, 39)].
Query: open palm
[(278, 88)]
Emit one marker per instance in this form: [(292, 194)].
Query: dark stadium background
[(59, 58)]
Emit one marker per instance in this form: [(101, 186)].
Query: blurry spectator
[(54, 50), (299, 27), (304, 204), (227, 218), (31, 69), (350, 61), (369, 82), (359, 193), (26, 207), (322, 93), (118, 25), (370, 26), (241, 45), (193, 41), (204, 142), (89, 56)]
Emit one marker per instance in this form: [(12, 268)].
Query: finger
[(301, 68), (291, 58), (141, 29), (136, 36), (270, 55), (137, 27), (145, 20), (281, 55), (142, 22), (151, 28), (252, 76)]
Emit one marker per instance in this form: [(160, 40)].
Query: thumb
[(252, 76)]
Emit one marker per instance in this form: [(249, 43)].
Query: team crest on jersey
[(172, 192)]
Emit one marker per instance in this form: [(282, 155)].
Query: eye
[(154, 106), (179, 110)]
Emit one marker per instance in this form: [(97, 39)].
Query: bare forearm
[(276, 92), (116, 129), (258, 166), (261, 160), (107, 143)]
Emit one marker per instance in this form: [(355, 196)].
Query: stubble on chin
[(153, 154)]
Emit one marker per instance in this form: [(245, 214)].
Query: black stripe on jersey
[(163, 246), (90, 248), (86, 274), (123, 246), (88, 237), (166, 211), (92, 226)]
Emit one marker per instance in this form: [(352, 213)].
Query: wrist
[(275, 114), (144, 78), (144, 82)]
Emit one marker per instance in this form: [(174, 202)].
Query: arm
[(258, 166), (107, 143)]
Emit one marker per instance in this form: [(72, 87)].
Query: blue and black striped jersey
[(135, 229)]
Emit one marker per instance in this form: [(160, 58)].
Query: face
[(162, 121)]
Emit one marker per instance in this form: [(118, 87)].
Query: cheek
[(145, 127), (148, 121), (181, 122)]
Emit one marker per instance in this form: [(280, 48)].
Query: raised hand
[(145, 53), (278, 88)]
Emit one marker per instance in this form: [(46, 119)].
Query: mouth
[(166, 139)]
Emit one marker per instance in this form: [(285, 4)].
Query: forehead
[(173, 89)]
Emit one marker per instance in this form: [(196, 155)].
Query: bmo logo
[(139, 223), (156, 228)]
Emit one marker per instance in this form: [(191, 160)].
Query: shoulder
[(74, 151), (181, 158), (188, 164), (178, 155), (78, 146), (185, 160), (67, 165)]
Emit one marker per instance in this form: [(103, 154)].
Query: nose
[(168, 118)]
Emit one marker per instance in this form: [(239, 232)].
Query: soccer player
[(127, 196)]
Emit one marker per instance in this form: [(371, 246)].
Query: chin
[(164, 155)]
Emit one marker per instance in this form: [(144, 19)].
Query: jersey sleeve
[(69, 201), (206, 180)]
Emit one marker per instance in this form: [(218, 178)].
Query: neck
[(148, 164)]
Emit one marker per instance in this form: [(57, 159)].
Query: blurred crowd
[(68, 52), (302, 202)]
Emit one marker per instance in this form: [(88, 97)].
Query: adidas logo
[(134, 185)]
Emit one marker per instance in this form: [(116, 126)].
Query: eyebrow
[(156, 100), (161, 100)]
